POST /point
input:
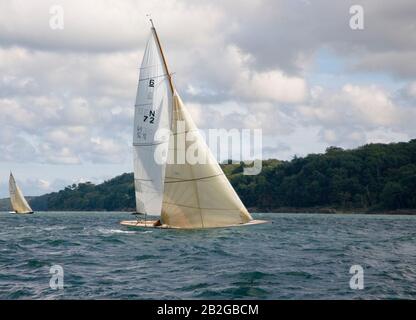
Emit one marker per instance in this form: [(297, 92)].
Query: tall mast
[(163, 56)]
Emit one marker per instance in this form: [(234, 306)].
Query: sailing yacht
[(18, 201), (180, 194)]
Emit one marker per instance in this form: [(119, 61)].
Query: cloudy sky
[(293, 68)]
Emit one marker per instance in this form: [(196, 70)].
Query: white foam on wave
[(111, 231), (54, 228)]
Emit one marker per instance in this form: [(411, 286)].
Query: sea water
[(88, 255)]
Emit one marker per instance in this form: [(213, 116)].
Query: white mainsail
[(185, 195), (18, 201), (152, 112)]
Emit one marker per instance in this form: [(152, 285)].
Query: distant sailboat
[(183, 195), (18, 201)]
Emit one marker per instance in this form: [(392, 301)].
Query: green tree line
[(371, 177)]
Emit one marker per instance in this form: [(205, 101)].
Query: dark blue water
[(298, 256)]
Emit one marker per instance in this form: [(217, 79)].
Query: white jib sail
[(197, 195), (153, 110), (19, 203)]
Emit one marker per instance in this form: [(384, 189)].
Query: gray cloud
[(67, 96), (284, 34)]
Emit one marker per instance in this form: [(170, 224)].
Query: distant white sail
[(152, 112), (18, 201), (197, 195)]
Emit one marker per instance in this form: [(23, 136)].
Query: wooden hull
[(149, 224)]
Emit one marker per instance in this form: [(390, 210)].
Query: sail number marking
[(150, 116)]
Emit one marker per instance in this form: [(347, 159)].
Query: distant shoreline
[(311, 210)]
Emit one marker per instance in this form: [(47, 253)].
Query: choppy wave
[(297, 257)]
